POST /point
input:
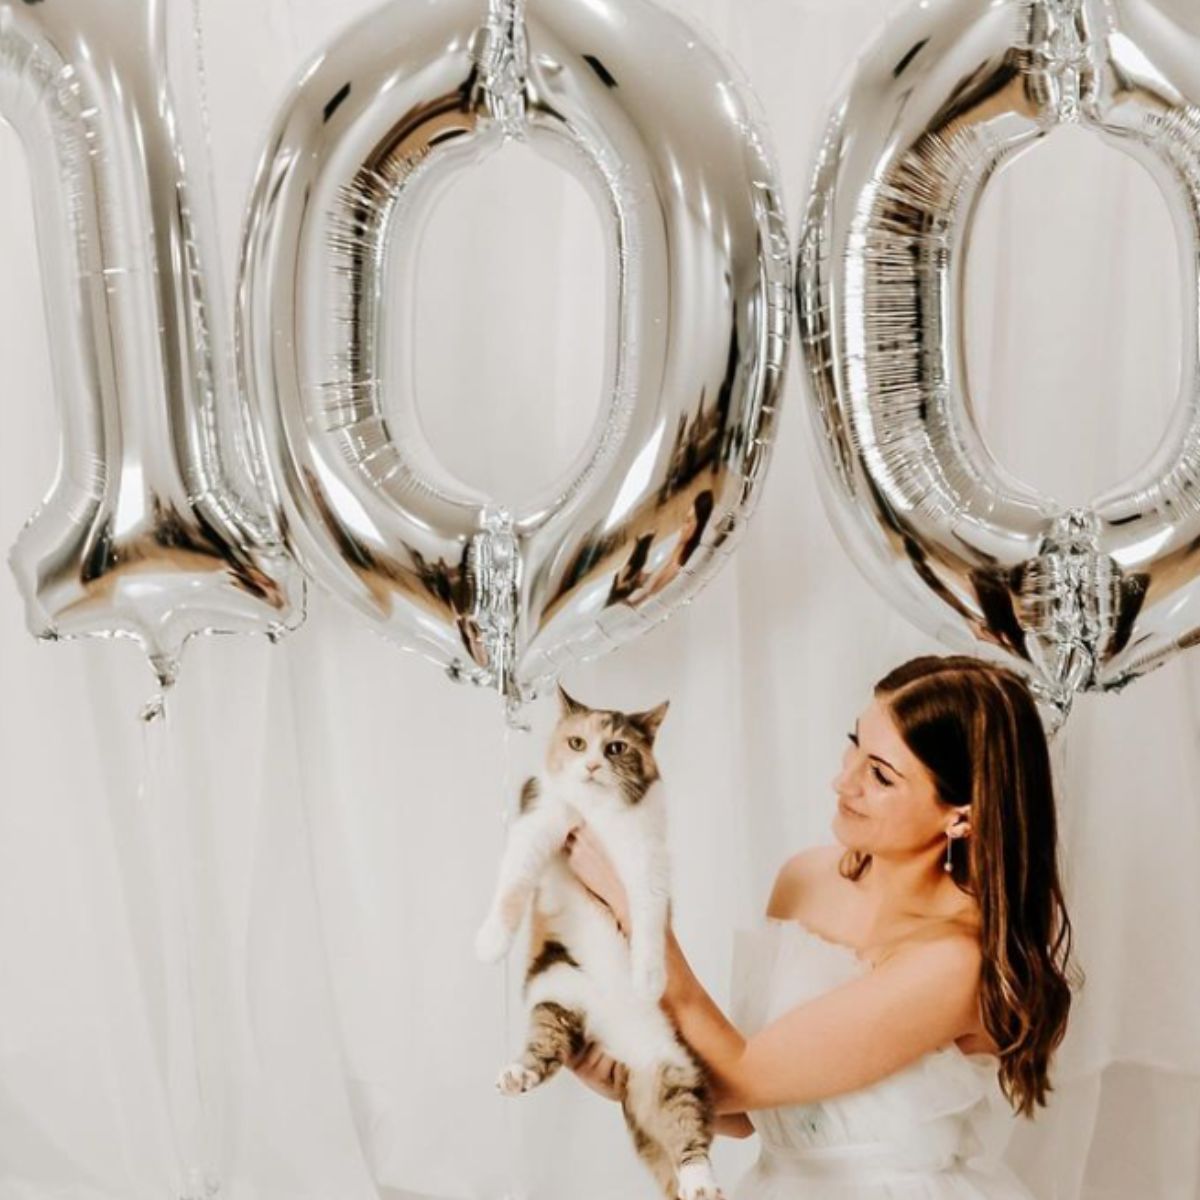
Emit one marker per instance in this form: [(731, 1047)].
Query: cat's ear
[(566, 705), (648, 722)]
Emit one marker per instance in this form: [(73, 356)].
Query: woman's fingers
[(600, 1065), (587, 1058), (601, 1072)]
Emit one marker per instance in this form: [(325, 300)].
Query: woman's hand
[(593, 868), (601, 1073)]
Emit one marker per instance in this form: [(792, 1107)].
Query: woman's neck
[(909, 885)]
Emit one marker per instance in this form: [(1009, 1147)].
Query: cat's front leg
[(649, 909), (647, 947), (641, 863), (493, 940), (534, 838)]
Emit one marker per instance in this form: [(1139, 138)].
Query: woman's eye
[(613, 749), (853, 738), (881, 777), (576, 742)]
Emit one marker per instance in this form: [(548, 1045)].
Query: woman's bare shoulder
[(797, 874)]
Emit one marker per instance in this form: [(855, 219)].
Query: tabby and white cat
[(584, 982)]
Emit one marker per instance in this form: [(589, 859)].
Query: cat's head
[(594, 749)]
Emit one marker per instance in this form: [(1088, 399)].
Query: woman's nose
[(847, 781)]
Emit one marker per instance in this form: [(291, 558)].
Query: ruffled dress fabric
[(934, 1130)]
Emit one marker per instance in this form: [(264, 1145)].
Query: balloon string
[(186, 1097), (510, 1115)]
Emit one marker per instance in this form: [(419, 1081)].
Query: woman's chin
[(840, 828)]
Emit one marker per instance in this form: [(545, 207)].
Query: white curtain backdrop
[(272, 898)]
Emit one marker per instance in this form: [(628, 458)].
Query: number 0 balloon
[(1082, 598), (668, 142)]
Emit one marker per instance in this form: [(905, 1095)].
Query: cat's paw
[(697, 1182), (702, 1192), (650, 981), (492, 942), (517, 1078)]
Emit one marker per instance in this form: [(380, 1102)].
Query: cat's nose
[(593, 767)]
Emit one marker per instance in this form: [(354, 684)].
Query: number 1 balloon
[(154, 527), (1081, 598), (669, 144)]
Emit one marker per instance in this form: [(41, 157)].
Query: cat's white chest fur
[(632, 1027)]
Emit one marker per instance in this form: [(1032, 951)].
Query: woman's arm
[(853, 1035), (917, 1001), (702, 1025), (610, 1078)]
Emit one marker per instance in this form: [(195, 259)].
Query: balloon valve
[(503, 56), (1065, 57), (515, 703), (1054, 704), (494, 564), (166, 673)]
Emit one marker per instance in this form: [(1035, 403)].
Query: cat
[(583, 982)]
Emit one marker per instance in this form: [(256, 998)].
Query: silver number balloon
[(155, 527), (1081, 598), (670, 145)]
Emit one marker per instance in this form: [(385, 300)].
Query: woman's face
[(887, 801)]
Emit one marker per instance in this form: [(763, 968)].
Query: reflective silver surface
[(669, 142), (951, 91), (154, 527)]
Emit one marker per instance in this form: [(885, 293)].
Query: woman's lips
[(848, 811)]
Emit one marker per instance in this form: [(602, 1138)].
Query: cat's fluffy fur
[(584, 983)]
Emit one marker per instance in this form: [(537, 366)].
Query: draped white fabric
[(272, 898)]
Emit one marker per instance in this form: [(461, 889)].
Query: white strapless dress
[(934, 1130)]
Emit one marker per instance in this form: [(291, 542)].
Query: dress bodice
[(941, 1115)]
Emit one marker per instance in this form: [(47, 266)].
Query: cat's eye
[(614, 749), (576, 742)]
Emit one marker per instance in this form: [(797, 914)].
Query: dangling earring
[(949, 866)]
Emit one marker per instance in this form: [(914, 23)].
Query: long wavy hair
[(975, 727)]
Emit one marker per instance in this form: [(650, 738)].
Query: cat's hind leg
[(681, 1121), (651, 1152), (556, 1034), (535, 837)]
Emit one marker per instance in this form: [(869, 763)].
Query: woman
[(909, 980)]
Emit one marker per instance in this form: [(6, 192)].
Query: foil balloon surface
[(155, 526), (1086, 597), (667, 139)]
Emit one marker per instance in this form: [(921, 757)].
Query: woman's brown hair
[(975, 727)]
